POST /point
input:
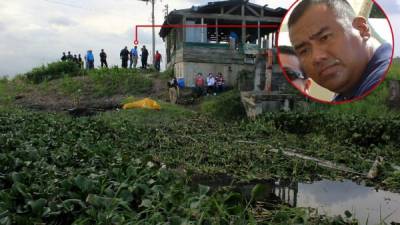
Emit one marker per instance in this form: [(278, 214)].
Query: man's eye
[(303, 51), (324, 37)]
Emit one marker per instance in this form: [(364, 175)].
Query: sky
[(36, 32)]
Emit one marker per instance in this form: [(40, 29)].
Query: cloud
[(390, 6), (196, 2), (62, 21)]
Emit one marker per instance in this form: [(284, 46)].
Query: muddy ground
[(53, 100)]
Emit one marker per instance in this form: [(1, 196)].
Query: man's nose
[(319, 55)]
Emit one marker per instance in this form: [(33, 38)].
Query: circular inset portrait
[(335, 51)]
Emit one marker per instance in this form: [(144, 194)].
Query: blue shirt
[(134, 52), (373, 73), (90, 56), (233, 35)]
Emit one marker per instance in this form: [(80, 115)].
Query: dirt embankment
[(53, 99)]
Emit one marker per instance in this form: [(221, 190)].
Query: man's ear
[(361, 24), (307, 85)]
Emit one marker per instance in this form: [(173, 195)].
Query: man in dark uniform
[(103, 59), (75, 59), (124, 57), (80, 61), (70, 57), (64, 57), (145, 55)]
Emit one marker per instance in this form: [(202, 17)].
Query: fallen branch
[(320, 162)]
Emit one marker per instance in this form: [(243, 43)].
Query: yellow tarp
[(145, 103)]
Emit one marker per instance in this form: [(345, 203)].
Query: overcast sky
[(36, 32)]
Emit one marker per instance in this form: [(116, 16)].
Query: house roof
[(214, 8)]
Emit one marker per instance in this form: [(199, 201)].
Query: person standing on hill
[(145, 55), (133, 57), (90, 59), (64, 57), (80, 61), (173, 90), (103, 59), (157, 61), (124, 55), (75, 59), (69, 57)]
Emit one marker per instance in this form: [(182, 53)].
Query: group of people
[(211, 85), (72, 58), (125, 56), (89, 59), (132, 56)]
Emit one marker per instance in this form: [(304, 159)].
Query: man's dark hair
[(340, 7)]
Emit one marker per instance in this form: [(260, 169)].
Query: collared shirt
[(199, 81), (134, 53), (210, 81), (373, 73)]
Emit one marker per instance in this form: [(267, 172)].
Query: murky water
[(334, 197), (331, 198)]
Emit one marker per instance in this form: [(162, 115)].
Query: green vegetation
[(108, 82), (135, 166), (394, 71), (10, 88), (105, 82), (226, 106), (60, 170), (94, 84), (53, 71)]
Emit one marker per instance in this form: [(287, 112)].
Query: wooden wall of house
[(212, 55)]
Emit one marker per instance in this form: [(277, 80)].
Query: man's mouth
[(329, 69)]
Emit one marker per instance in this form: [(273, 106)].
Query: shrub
[(225, 106), (394, 70), (53, 71), (167, 74)]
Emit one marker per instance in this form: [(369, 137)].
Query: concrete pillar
[(202, 31), (259, 34), (243, 25), (184, 29), (216, 30)]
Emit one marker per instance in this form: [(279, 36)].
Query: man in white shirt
[(211, 84)]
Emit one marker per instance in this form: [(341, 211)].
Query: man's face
[(291, 62), (331, 53)]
